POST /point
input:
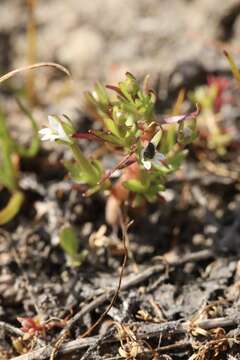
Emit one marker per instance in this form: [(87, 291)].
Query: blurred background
[(101, 39)]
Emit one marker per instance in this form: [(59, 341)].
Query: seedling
[(70, 244), (211, 98), (10, 151), (136, 137)]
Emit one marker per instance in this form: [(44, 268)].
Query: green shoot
[(70, 244), (9, 172)]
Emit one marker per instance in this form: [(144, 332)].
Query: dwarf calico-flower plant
[(136, 137)]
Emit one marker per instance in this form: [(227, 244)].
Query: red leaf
[(86, 136)]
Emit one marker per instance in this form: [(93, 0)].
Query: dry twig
[(66, 330), (11, 329), (142, 331)]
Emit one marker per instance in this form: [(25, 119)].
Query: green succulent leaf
[(112, 127), (129, 87), (74, 170), (135, 186), (69, 241), (70, 244), (108, 137), (12, 208), (79, 175), (8, 173), (101, 94)]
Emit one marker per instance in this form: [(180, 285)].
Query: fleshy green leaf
[(8, 173), (135, 186), (112, 127), (70, 244), (69, 241), (12, 208), (101, 94), (109, 137)]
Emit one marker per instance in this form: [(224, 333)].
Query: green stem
[(12, 207), (7, 170), (84, 164)]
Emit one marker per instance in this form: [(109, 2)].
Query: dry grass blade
[(12, 73), (234, 68), (179, 102), (124, 232)]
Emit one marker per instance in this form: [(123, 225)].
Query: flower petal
[(45, 131), (174, 119), (147, 164), (48, 137), (177, 118), (159, 157), (45, 138), (53, 122)]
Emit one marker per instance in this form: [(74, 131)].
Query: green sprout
[(131, 131), (70, 244), (10, 151)]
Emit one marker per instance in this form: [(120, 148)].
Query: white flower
[(55, 131), (150, 157)]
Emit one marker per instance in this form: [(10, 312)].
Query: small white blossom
[(152, 157), (55, 131)]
